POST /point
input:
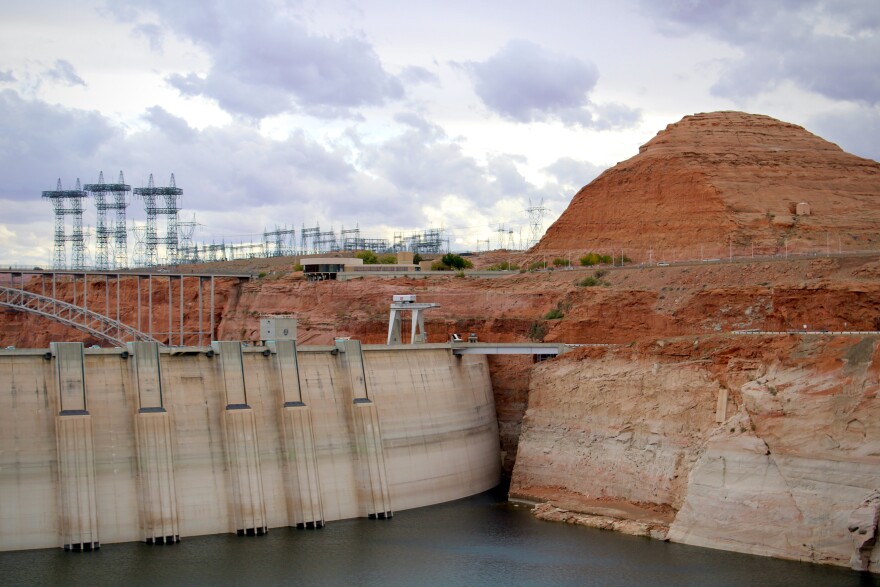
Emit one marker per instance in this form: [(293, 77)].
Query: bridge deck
[(507, 348)]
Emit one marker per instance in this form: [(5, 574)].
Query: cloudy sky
[(396, 116)]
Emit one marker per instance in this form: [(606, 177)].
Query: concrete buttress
[(76, 458), (302, 483), (241, 445), (157, 494), (372, 476)]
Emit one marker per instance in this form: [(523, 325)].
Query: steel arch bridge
[(98, 325)]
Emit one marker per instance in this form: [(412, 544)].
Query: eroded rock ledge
[(763, 445)]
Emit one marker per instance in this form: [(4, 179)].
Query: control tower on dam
[(145, 443)]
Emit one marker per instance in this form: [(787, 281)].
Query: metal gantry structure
[(111, 242), (68, 203), (279, 242), (168, 207), (429, 241)]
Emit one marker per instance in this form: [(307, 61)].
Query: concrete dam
[(152, 444)]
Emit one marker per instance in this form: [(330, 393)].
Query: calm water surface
[(481, 540)]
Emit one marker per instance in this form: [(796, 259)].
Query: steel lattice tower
[(187, 251), (278, 242), (115, 232), (74, 198), (308, 239), (536, 222), (169, 208)]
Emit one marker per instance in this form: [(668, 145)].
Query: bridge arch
[(97, 325)]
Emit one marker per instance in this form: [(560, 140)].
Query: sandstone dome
[(725, 182)]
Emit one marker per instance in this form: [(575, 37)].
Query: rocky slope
[(766, 445), (720, 183)]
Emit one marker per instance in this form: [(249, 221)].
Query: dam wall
[(155, 444)]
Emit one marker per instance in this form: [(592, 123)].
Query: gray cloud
[(152, 32), (265, 62), (63, 72), (413, 74), (831, 48), (174, 127), (573, 174), (41, 143), (7, 76), (854, 129), (526, 83)]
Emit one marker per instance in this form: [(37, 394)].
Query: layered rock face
[(721, 183), (765, 445)]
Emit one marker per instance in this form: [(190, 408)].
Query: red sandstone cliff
[(720, 181)]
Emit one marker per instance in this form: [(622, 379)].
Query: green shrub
[(369, 257), (554, 314), (387, 260), (591, 259), (298, 267), (451, 261), (538, 265), (537, 331), (261, 275), (560, 262), (417, 259), (505, 266), (588, 282)]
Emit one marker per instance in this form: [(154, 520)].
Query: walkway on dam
[(507, 348), (39, 292)]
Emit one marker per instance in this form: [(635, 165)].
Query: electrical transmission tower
[(68, 203), (168, 208), (188, 252), (140, 249), (536, 221), (278, 242), (113, 233), (308, 239)]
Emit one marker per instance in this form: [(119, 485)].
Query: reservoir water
[(481, 540)]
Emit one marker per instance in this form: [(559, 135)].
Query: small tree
[(387, 260), (417, 259), (453, 261), (369, 257)]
